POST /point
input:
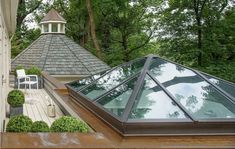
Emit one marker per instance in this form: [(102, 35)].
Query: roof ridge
[(88, 51), (75, 55), (46, 53), (52, 15)]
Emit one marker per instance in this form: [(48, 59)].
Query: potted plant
[(19, 123), (16, 100), (36, 71), (40, 126), (69, 124)]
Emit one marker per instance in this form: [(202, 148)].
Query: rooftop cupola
[(53, 22)]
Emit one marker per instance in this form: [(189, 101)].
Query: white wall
[(8, 9)]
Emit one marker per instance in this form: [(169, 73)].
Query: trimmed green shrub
[(83, 127), (69, 124), (19, 123), (34, 71), (16, 98), (18, 68), (40, 126)]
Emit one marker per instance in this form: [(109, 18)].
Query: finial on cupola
[(52, 23)]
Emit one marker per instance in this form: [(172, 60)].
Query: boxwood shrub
[(19, 123), (34, 71), (69, 124), (40, 126), (16, 98)]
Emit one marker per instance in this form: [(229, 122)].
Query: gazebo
[(57, 54)]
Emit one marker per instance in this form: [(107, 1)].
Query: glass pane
[(45, 26), (61, 27), (229, 88), (201, 99), (117, 99), (54, 27), (153, 103), (77, 85), (113, 79)]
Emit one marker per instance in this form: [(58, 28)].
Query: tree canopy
[(196, 33)]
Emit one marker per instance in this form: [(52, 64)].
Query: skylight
[(159, 96)]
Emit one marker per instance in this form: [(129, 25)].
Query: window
[(150, 103), (113, 79), (46, 28), (54, 27), (62, 28), (155, 96), (200, 98)]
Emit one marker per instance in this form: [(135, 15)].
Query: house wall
[(8, 9)]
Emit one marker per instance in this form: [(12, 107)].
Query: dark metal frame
[(140, 127), (94, 81)]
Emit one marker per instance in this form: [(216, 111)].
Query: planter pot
[(16, 111)]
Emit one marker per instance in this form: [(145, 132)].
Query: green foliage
[(69, 124), (126, 30), (223, 70), (22, 39), (19, 123), (34, 71), (83, 127), (199, 36), (16, 98), (40, 126)]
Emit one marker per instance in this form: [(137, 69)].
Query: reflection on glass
[(201, 99), (153, 103), (230, 89), (117, 99), (113, 79), (77, 85)]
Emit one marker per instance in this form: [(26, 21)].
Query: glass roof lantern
[(160, 97)]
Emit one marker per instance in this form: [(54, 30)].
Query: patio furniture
[(24, 79)]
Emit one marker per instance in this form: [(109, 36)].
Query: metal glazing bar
[(232, 99), (123, 82), (112, 69), (204, 78), (136, 90), (172, 97)]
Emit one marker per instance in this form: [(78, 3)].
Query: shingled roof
[(59, 55), (53, 15)]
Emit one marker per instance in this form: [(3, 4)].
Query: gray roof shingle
[(53, 15), (59, 55)]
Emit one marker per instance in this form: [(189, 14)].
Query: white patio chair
[(22, 78)]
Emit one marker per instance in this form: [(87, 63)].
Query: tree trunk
[(21, 14), (198, 13), (92, 25), (199, 42), (125, 48)]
